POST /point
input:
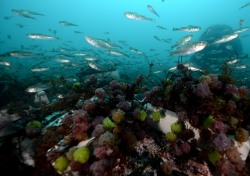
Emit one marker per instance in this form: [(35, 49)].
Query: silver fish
[(136, 16), (183, 41), (190, 48), (188, 29), (21, 54), (94, 66), (20, 13), (226, 38), (66, 23), (28, 12), (152, 10), (5, 63), (241, 30), (116, 53), (135, 50), (98, 43), (41, 37), (38, 87), (40, 69)]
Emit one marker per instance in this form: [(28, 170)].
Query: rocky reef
[(188, 124)]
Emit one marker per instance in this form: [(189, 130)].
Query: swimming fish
[(152, 10), (66, 23), (160, 27), (20, 13), (41, 37), (246, 5), (40, 69), (136, 16), (190, 48), (38, 87), (183, 41), (226, 38), (241, 30), (188, 29), (26, 13), (135, 50), (19, 54), (98, 43), (116, 53), (5, 63), (94, 66), (157, 38)]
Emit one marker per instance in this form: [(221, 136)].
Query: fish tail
[(151, 19)]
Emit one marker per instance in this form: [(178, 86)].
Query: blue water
[(105, 19)]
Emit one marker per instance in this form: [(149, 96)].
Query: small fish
[(157, 38), (190, 48), (156, 72), (116, 53), (94, 66), (26, 13), (241, 30), (20, 54), (98, 43), (135, 50), (41, 69), (241, 67), (20, 25), (77, 32), (168, 40), (232, 61), (62, 60), (152, 10), (38, 87), (41, 37), (5, 63), (136, 16), (79, 54), (91, 59), (160, 27), (8, 17), (246, 5), (226, 38), (183, 41), (66, 23), (188, 29)]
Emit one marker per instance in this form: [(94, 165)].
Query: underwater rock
[(41, 98), (214, 56), (164, 125)]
